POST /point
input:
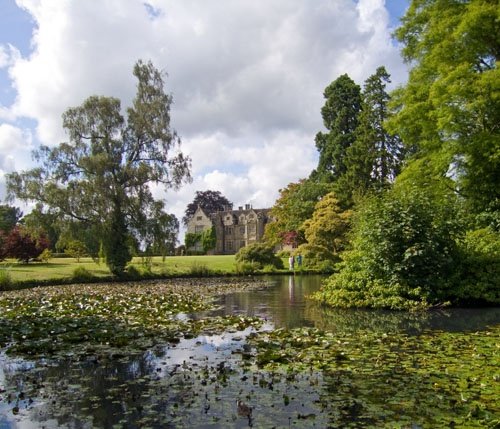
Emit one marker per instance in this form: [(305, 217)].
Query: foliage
[(81, 274), (404, 253), (200, 269), (103, 175), (294, 205), (6, 281), (9, 217), (46, 255), (208, 201), (340, 117), (325, 232), (374, 158), (248, 267), (76, 249), (191, 239), (158, 231), (450, 107), (436, 379), (259, 253), (478, 276), (46, 222), (208, 239), (24, 246)]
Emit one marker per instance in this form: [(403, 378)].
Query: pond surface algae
[(156, 355)]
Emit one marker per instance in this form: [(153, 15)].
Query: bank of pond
[(239, 352)]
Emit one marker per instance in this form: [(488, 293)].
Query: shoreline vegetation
[(64, 270)]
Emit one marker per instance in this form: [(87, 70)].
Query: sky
[(247, 78)]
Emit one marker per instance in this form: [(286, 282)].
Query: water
[(197, 382)]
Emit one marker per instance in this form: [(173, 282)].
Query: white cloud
[(247, 77)]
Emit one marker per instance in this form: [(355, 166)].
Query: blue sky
[(247, 77)]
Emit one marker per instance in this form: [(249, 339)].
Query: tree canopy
[(9, 217), (209, 201), (340, 117), (102, 175), (450, 107)]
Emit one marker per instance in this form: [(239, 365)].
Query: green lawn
[(60, 268)]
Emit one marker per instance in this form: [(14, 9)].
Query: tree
[(340, 117), (158, 231), (209, 201), (76, 249), (20, 244), (102, 175), (374, 159), (294, 205), (9, 217), (46, 221), (325, 232), (450, 108)]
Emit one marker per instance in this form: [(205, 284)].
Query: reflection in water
[(285, 306), (197, 382)]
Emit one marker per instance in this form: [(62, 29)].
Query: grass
[(64, 268)]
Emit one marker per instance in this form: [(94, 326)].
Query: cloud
[(247, 77)]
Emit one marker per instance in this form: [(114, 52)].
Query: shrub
[(245, 267), (46, 255), (404, 253), (81, 274), (478, 278), (199, 269), (133, 272), (261, 254), (6, 282)]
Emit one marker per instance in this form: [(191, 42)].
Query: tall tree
[(340, 117), (9, 217), (102, 175), (209, 201), (450, 107), (374, 159)]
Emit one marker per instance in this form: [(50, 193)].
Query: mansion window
[(199, 217), (251, 229), (242, 229), (229, 230), (229, 245)]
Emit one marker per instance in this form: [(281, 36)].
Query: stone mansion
[(234, 229)]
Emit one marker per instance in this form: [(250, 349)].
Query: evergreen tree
[(375, 157), (340, 117)]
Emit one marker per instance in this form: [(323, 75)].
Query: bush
[(478, 278), (260, 254), (6, 282), (199, 269), (246, 267), (404, 254), (133, 272), (81, 274), (46, 255)]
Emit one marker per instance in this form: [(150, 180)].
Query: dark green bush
[(6, 282), (260, 254), (81, 274), (404, 253)]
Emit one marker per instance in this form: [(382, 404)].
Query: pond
[(303, 366)]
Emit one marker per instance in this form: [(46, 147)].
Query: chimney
[(240, 208), (247, 206)]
